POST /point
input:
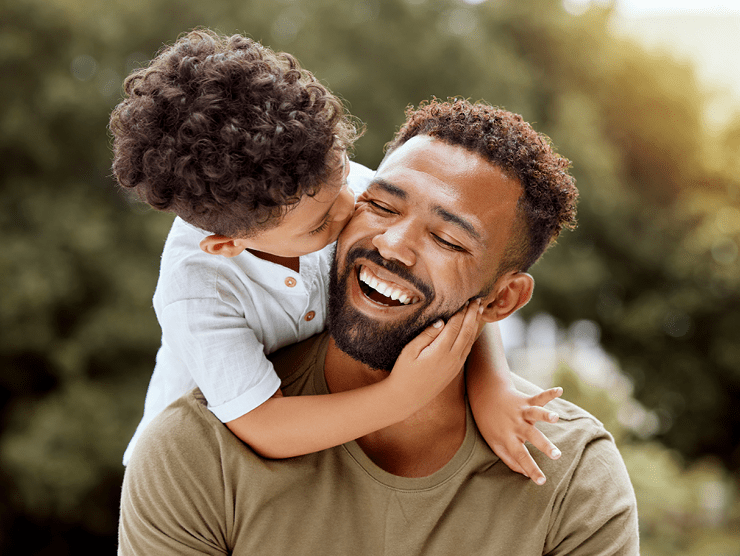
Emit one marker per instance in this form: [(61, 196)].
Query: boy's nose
[(346, 207)]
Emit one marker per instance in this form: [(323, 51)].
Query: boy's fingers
[(547, 396), (425, 338), (531, 469), (460, 327), (532, 414), (468, 327), (451, 331), (542, 443), (455, 322), (510, 462)]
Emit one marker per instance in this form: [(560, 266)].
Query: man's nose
[(397, 243)]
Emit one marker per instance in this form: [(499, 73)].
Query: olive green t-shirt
[(192, 487)]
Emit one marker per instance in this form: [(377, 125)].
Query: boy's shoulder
[(182, 254), (359, 177), (187, 272)]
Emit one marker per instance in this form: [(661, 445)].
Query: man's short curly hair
[(549, 195), (226, 133)]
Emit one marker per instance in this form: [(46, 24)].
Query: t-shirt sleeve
[(597, 513), (173, 499), (223, 354)]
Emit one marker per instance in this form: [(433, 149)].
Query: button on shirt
[(220, 317)]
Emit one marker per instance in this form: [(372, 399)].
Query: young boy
[(249, 151)]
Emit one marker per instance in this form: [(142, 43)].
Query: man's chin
[(374, 343), (377, 346)]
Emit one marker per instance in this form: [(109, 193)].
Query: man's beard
[(365, 340)]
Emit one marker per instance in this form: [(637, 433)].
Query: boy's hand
[(514, 416), (431, 360)]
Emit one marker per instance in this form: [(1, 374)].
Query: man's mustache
[(391, 266)]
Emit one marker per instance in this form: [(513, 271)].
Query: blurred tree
[(654, 261), (684, 510), (77, 271)]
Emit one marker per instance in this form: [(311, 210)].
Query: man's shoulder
[(581, 438), (184, 431), (589, 482), (567, 411)]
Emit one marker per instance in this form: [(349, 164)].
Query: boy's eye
[(320, 228)]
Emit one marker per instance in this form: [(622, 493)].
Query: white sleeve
[(222, 353), (359, 178)]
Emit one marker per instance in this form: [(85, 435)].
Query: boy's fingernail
[(437, 324), (540, 480), (555, 454), (553, 417)]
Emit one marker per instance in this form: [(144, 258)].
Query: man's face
[(426, 237)]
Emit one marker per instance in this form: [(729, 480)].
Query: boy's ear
[(222, 245), (512, 292)]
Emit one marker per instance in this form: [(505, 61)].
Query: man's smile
[(383, 287), (384, 291)]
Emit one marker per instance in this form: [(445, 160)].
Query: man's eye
[(381, 207), (447, 244)]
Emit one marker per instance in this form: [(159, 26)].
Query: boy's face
[(313, 223)]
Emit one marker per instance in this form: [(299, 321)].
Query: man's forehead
[(455, 179), (443, 161)]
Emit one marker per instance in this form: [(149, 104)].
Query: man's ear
[(222, 245), (511, 292)]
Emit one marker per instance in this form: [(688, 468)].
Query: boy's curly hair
[(226, 133), (549, 197)]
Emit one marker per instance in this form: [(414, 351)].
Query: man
[(466, 199)]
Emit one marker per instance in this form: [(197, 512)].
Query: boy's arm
[(291, 426), (505, 416)]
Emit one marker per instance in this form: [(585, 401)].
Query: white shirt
[(221, 316)]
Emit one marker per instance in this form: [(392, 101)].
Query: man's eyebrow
[(388, 187), (459, 221), (443, 213)]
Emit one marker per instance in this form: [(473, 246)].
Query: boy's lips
[(383, 288)]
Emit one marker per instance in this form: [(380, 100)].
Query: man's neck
[(418, 446)]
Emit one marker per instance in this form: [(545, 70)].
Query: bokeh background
[(636, 313)]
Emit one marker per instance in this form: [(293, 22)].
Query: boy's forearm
[(487, 367), (284, 427)]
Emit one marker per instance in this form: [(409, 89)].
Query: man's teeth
[(387, 289)]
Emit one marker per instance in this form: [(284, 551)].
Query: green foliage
[(684, 510), (654, 261), (657, 245)]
